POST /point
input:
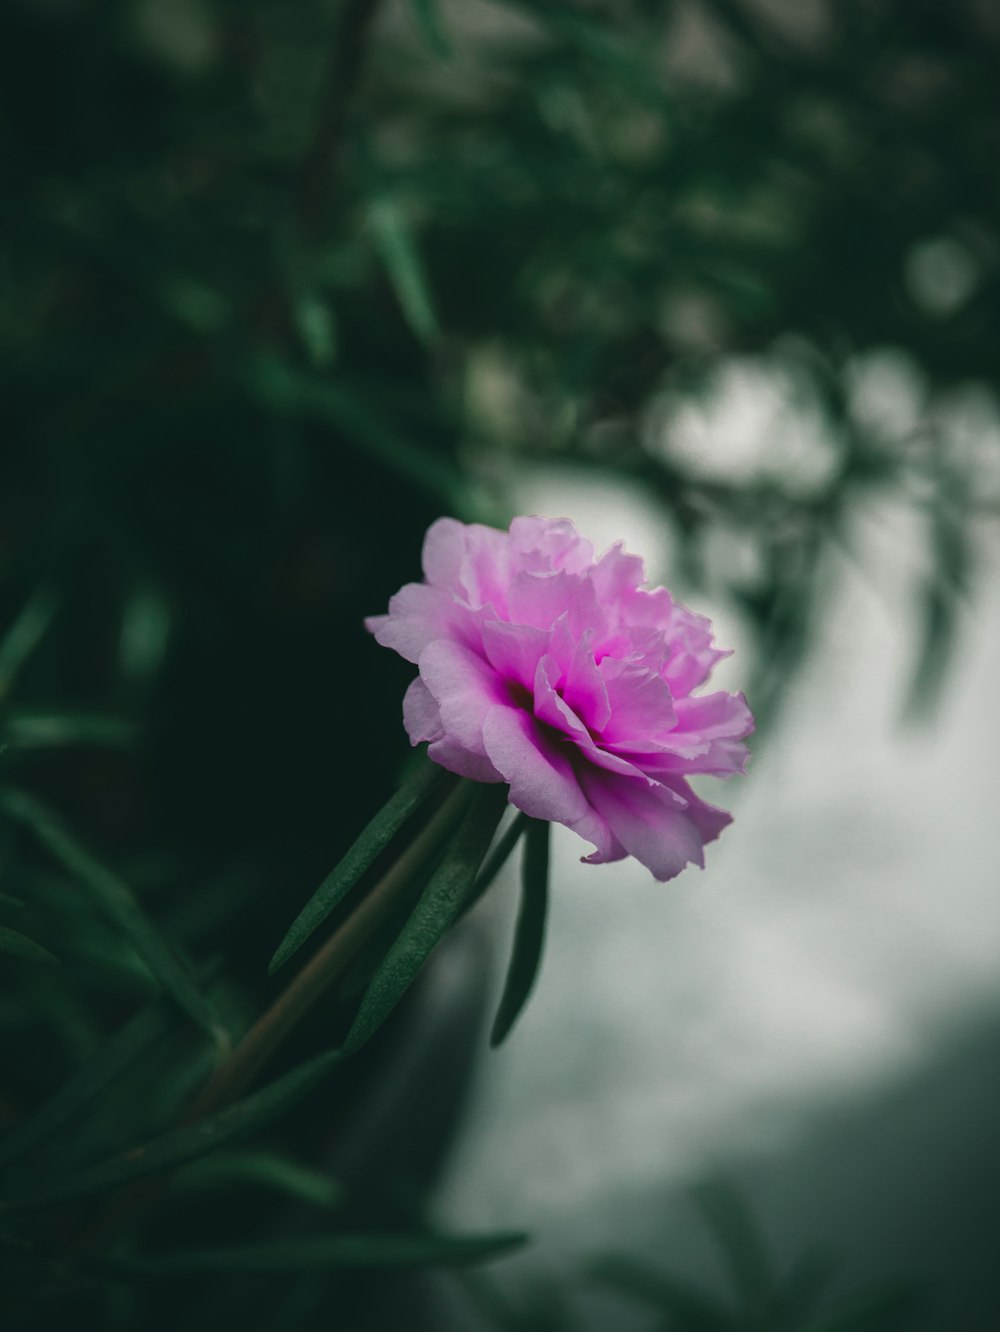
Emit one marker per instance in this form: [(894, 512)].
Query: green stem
[(328, 964), (268, 1033)]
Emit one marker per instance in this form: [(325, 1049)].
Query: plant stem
[(267, 1034), (326, 965)]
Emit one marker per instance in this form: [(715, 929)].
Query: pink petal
[(617, 573), (421, 714), (646, 822), (641, 703), (708, 820), (542, 781), (514, 650), (692, 656), (550, 708), (584, 689), (487, 569), (541, 777), (419, 614), (451, 755), (464, 687), (714, 758), (444, 555), (715, 716), (544, 545)]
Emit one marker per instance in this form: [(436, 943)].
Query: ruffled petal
[(421, 714), (715, 716), (549, 707), (649, 821), (444, 556), (514, 650), (546, 545), (641, 704), (418, 615), (465, 688), (542, 781), (616, 574), (708, 820), (584, 688), (541, 599), (453, 756)]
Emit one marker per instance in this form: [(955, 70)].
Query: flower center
[(520, 695)]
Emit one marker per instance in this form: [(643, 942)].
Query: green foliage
[(264, 1169), (78, 1094), (529, 933), (763, 1300), (190, 1141), (377, 836), (18, 945), (115, 900), (438, 908)]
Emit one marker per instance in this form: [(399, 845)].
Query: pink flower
[(558, 673)]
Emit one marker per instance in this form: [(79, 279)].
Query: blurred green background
[(283, 282)]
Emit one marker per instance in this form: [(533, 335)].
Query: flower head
[(558, 673)]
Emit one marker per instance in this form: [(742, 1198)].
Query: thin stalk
[(327, 965), (268, 1033)]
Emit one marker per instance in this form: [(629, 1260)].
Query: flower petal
[(549, 707), (541, 599), (642, 706), (419, 614), (647, 821), (514, 650), (444, 555), (545, 545), (542, 781), (453, 756), (421, 714), (584, 688), (465, 688), (708, 820)]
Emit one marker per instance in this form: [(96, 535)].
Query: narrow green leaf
[(868, 1313), (802, 1288), (398, 249), (113, 897), (38, 730), (427, 779), (741, 1242), (436, 910), (322, 1253), (429, 19), (317, 328), (266, 1169), (24, 635), (693, 1307), (529, 933), (358, 423), (191, 1141), (114, 1056), (15, 944), (496, 860)]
